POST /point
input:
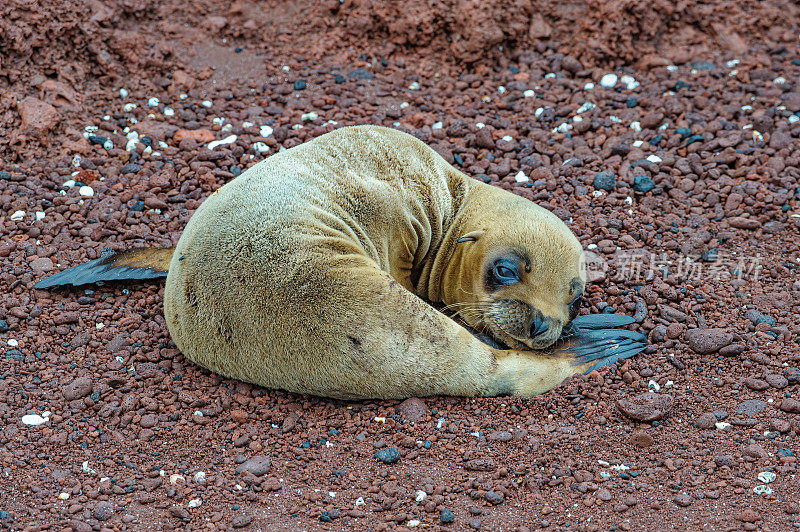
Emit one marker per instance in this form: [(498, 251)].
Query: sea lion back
[(254, 286)]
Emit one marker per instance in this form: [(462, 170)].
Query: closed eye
[(575, 307), (505, 272)]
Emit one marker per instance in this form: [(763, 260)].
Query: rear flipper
[(132, 264)]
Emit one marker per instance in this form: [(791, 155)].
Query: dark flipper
[(593, 338), (590, 338), (603, 334), (601, 321), (132, 264)]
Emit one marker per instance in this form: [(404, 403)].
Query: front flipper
[(587, 344), (593, 342), (599, 321)]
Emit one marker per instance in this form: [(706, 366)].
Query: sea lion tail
[(132, 264)]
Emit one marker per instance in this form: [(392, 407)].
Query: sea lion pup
[(314, 271)]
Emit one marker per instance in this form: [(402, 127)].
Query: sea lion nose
[(539, 326)]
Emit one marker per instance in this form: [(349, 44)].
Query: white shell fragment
[(608, 81), (629, 81), (521, 177), (36, 419), (227, 140), (767, 476), (763, 489)]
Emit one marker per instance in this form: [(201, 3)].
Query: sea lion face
[(526, 306), (527, 283)]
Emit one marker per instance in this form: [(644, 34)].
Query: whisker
[(467, 304)]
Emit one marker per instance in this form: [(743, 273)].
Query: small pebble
[(605, 181), (241, 521), (492, 497), (389, 455), (682, 499), (103, 511), (647, 407), (446, 517), (643, 184), (706, 421)]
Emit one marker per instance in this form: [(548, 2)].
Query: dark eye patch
[(502, 272)]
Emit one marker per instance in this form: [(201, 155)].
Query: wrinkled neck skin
[(451, 270)]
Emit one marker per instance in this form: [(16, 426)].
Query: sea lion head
[(519, 273)]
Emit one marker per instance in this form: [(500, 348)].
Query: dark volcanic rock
[(648, 406), (707, 341)]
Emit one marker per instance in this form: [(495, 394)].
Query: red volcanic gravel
[(680, 178)]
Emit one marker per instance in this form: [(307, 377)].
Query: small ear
[(471, 237)]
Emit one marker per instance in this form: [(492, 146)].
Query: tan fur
[(312, 272), (157, 259)]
